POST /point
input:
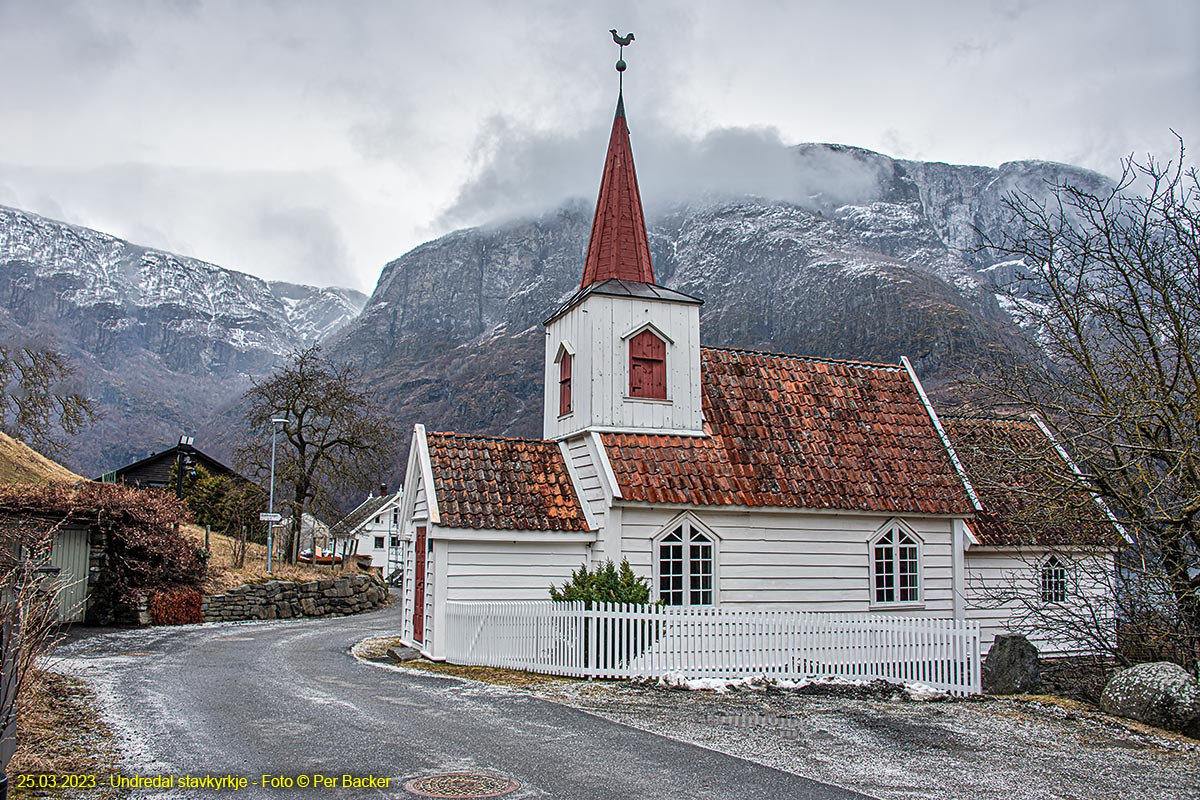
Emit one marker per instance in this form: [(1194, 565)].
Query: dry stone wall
[(333, 597)]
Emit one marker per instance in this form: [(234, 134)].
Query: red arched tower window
[(648, 366), (564, 384)]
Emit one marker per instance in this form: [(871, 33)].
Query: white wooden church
[(726, 477)]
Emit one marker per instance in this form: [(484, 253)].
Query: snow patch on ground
[(675, 680)]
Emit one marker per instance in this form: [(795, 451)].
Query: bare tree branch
[(1110, 296), (336, 437)]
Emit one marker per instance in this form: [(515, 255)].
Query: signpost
[(267, 516)]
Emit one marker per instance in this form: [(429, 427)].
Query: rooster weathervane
[(622, 42)]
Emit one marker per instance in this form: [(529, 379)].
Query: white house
[(726, 477), (374, 528)]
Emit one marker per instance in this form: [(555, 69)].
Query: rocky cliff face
[(886, 258), (890, 262), (159, 339)]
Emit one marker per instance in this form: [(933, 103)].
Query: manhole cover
[(462, 785)]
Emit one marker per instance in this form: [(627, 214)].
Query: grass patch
[(21, 464), (60, 732), (494, 675), (377, 650)]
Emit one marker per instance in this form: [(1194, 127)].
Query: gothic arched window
[(896, 567), (686, 566)]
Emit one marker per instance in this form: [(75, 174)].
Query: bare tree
[(336, 435), (36, 404), (1108, 290)]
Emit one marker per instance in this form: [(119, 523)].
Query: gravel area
[(891, 748), (875, 739)]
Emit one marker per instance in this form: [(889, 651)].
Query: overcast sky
[(315, 141)]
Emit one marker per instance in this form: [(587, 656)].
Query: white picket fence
[(630, 641)]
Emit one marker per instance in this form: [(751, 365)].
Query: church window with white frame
[(686, 566), (896, 567)]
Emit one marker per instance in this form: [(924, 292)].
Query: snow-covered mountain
[(160, 339), (878, 258), (888, 258)]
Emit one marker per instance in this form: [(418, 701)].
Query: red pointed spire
[(619, 247)]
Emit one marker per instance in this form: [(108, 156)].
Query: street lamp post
[(271, 497)]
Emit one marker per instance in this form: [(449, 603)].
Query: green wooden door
[(71, 555)]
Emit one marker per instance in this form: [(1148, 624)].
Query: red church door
[(419, 587)]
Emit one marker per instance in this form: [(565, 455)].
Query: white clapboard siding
[(633, 641), (805, 560), (594, 330), (506, 570), (590, 488), (1002, 583)]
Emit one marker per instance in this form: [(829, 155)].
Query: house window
[(395, 541), (564, 384), (378, 542), (685, 567), (1054, 581), (395, 517), (648, 366), (896, 567)]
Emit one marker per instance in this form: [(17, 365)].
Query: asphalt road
[(288, 699)]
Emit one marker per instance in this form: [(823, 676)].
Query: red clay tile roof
[(618, 247), (503, 484), (797, 433), (1019, 477)]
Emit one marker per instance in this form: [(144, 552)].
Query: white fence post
[(617, 640)]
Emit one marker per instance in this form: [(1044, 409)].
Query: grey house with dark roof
[(154, 470)]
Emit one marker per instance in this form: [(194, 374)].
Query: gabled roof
[(157, 465), (1023, 486), (372, 506), (797, 432), (503, 484), (619, 247)]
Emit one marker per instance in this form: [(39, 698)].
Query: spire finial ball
[(621, 65)]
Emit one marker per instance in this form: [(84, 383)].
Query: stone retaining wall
[(332, 597)]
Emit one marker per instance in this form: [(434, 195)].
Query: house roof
[(503, 484), (797, 432), (157, 466), (619, 247), (1024, 486), (372, 506)]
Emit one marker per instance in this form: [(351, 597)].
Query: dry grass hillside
[(21, 464), (223, 574)]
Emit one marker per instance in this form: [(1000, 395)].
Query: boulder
[(1160, 693), (1011, 666)]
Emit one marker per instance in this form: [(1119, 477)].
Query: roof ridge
[(817, 359), (489, 438)]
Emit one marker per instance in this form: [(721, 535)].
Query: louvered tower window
[(648, 366), (564, 384)]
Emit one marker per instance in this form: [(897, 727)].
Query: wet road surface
[(287, 699)]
